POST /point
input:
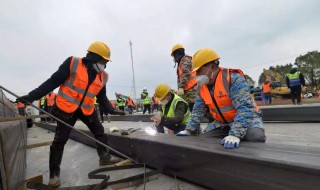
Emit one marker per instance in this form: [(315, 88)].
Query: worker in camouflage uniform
[(186, 78), (227, 94)]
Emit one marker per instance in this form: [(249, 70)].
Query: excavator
[(278, 83)]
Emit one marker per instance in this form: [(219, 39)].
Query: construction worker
[(21, 108), (146, 101), (155, 104), (130, 104), (266, 89), (175, 110), (294, 81), (80, 80), (227, 94), (121, 102), (42, 104), (50, 99), (186, 78)]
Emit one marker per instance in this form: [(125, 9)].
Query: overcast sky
[(37, 36)]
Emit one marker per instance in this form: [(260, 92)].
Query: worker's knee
[(255, 135)]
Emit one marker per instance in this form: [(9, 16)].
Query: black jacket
[(61, 75)]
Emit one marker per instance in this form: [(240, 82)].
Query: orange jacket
[(72, 91), (113, 104), (20, 105), (266, 87), (50, 99), (192, 80), (222, 96), (129, 102)]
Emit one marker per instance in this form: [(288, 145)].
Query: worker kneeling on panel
[(227, 95)]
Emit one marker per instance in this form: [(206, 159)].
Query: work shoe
[(109, 161), (54, 182)]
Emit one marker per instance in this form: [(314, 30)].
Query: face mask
[(99, 67), (164, 102), (203, 79)]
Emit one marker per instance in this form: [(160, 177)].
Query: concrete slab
[(78, 160)]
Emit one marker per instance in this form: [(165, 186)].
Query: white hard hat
[(144, 88), (295, 67)]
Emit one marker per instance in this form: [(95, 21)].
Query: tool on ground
[(54, 117)]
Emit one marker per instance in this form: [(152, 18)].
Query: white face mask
[(164, 102), (99, 67), (202, 80)]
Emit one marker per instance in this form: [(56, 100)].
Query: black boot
[(56, 152)]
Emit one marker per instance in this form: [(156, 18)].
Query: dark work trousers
[(155, 107), (253, 134), (121, 108), (296, 94), (40, 112), (130, 109), (49, 119), (190, 106), (22, 111), (63, 132), (146, 107), (175, 129), (268, 97)]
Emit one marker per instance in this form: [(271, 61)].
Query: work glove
[(231, 142), (24, 99), (184, 133), (180, 92), (117, 112)]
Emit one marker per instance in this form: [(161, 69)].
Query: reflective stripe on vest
[(129, 102), (42, 101), (146, 100), (172, 109), (72, 92), (121, 102), (192, 78), (221, 92), (50, 99), (266, 88), (294, 79)]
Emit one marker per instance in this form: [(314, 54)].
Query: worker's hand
[(156, 119), (180, 92), (184, 133), (118, 112), (25, 99), (231, 142)]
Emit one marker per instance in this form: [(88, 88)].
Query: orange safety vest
[(192, 78), (72, 92), (129, 102), (20, 105), (222, 97), (50, 99), (266, 88)]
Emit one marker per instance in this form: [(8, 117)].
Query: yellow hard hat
[(101, 49), (202, 57), (176, 47), (161, 91)]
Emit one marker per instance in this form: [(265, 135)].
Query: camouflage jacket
[(186, 65), (245, 117)]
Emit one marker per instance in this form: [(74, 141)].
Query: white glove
[(231, 142), (180, 92), (184, 133)]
